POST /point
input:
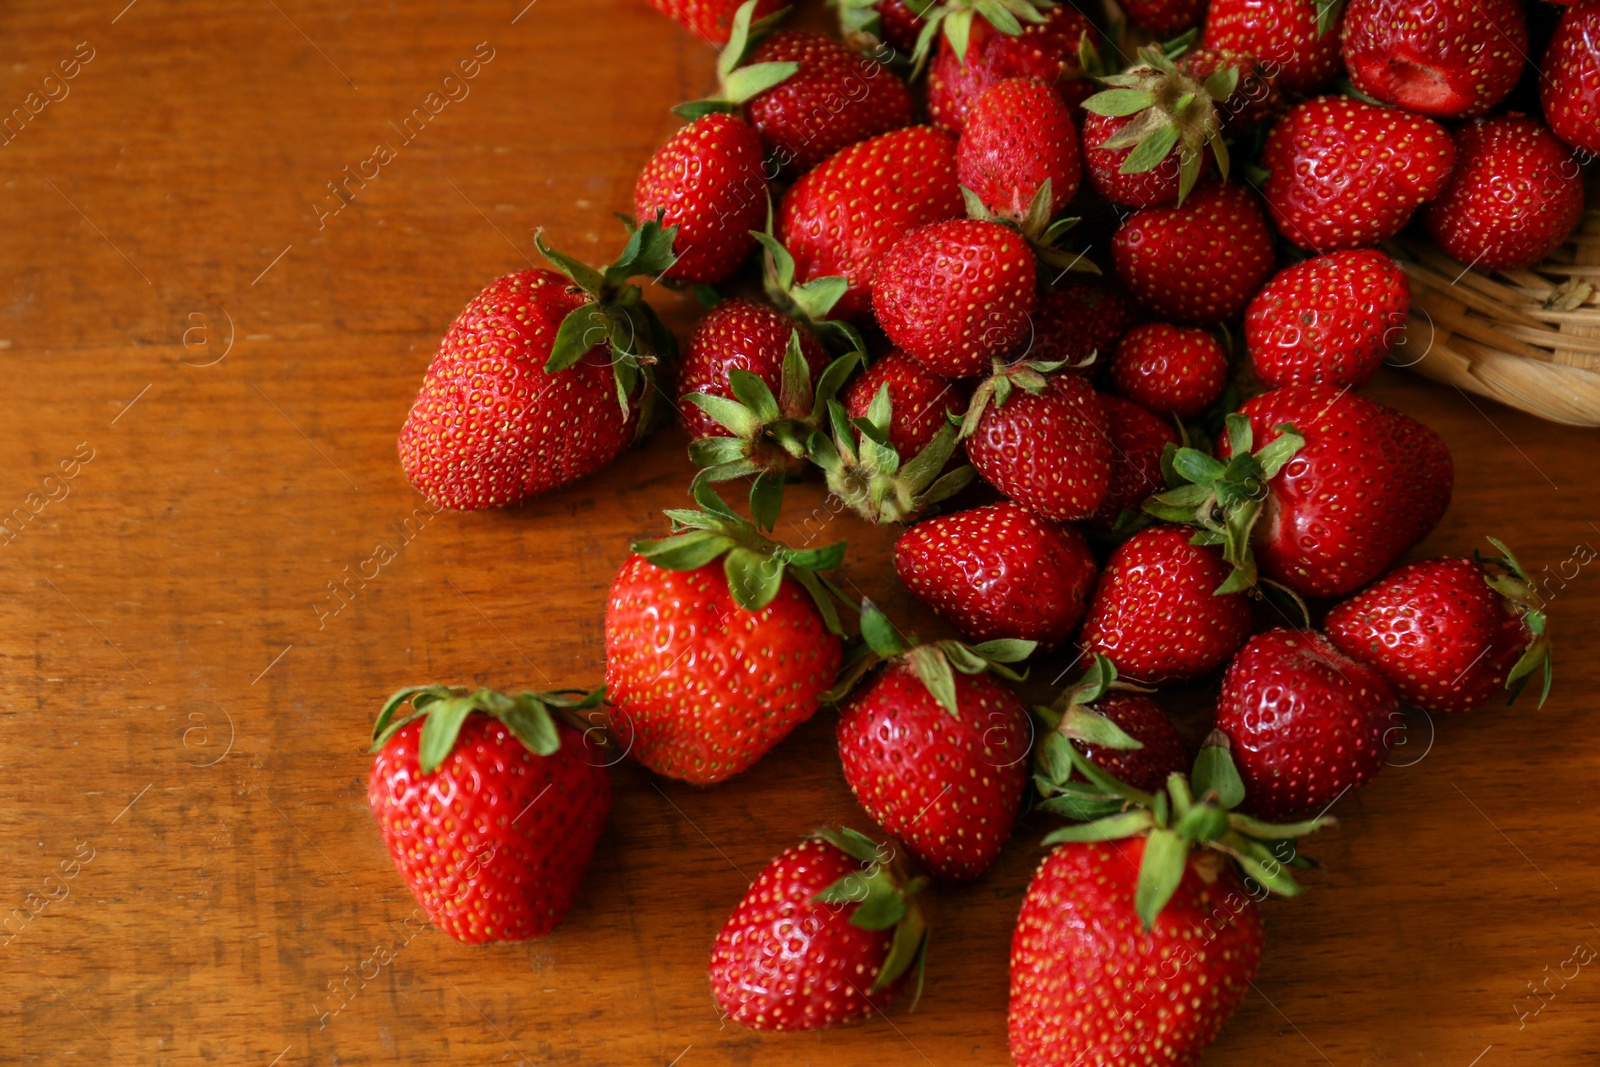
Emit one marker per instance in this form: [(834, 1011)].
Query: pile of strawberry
[(1164, 469)]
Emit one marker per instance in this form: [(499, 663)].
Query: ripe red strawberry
[(1451, 60), (1042, 441), (1147, 188), (1164, 753), (1427, 498), (1019, 135), (1255, 99), (1080, 713), (1045, 50), (1137, 440), (738, 334), (1198, 263), (711, 19), (1330, 319), (922, 401), (1515, 194), (1299, 39), (1079, 318), (955, 294), (1345, 174), (999, 571), (1156, 614), (1165, 18), (708, 181), (1569, 91), (845, 214), (458, 788), (1170, 370), (826, 935), (1305, 721), (1448, 634)]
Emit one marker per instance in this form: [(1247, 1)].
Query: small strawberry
[(1451, 60), (1157, 613), (712, 20), (935, 747), (1330, 319), (1198, 263), (1515, 194), (1345, 174), (1170, 370), (1306, 723), (1018, 137), (1138, 440), (738, 334), (922, 402), (708, 180), (845, 214), (827, 934), (1569, 91), (1417, 447), (1108, 167), (880, 26), (1448, 634), (1079, 318), (955, 294), (1296, 39), (999, 571), (1164, 19), (869, 475), (1155, 754), (1256, 98), (1046, 50), (458, 790)]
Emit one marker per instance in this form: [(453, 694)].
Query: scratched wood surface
[(213, 571)]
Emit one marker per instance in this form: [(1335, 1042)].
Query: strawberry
[(879, 26), (844, 214), (935, 747), (827, 934), (922, 401), (1298, 39), (712, 19), (1256, 97), (1170, 370), (1157, 613), (1165, 18), (1346, 174), (708, 181), (1417, 448), (1106, 166), (1198, 263), (1515, 194), (1306, 723), (517, 401), (1046, 50), (1330, 319), (709, 666), (458, 790), (1147, 752), (1138, 439), (1451, 60), (1079, 318), (1448, 634), (954, 294), (1019, 136), (744, 335), (999, 571), (1569, 92)]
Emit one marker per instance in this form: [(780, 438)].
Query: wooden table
[(206, 365)]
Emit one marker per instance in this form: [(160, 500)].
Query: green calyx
[(1005, 379), (1071, 717), (1169, 109), (616, 315), (1193, 812), (443, 709), (754, 565), (1506, 577), (935, 663), (885, 899), (1043, 234), (809, 303), (955, 18), (740, 81)]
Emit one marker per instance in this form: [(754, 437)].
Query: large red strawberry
[(1170, 370), (718, 643), (999, 571), (1046, 50), (922, 402), (1450, 59), (1345, 174), (712, 20), (1298, 40), (1305, 721), (955, 294), (1448, 634), (489, 807), (1199, 262), (738, 334), (514, 405), (709, 181), (1569, 91), (845, 214), (1515, 194), (1138, 439), (1078, 318), (1155, 754), (1330, 319), (827, 934), (1019, 136)]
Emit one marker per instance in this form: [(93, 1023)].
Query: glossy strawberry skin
[(835, 100), (1305, 721), (738, 334), (1137, 440), (1427, 495), (1282, 34), (787, 961), (999, 571), (1050, 452), (494, 843), (920, 401), (709, 181), (712, 20), (947, 787), (490, 426), (1079, 318), (1514, 196), (1151, 188), (1346, 174), (1170, 370), (1569, 92), (1047, 51), (1450, 59), (703, 688), (954, 294), (1154, 613), (842, 217), (1159, 996), (1200, 262), (1437, 633), (1163, 754), (1329, 319), (1018, 135), (1256, 97)]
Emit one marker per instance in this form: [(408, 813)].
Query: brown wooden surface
[(178, 706)]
